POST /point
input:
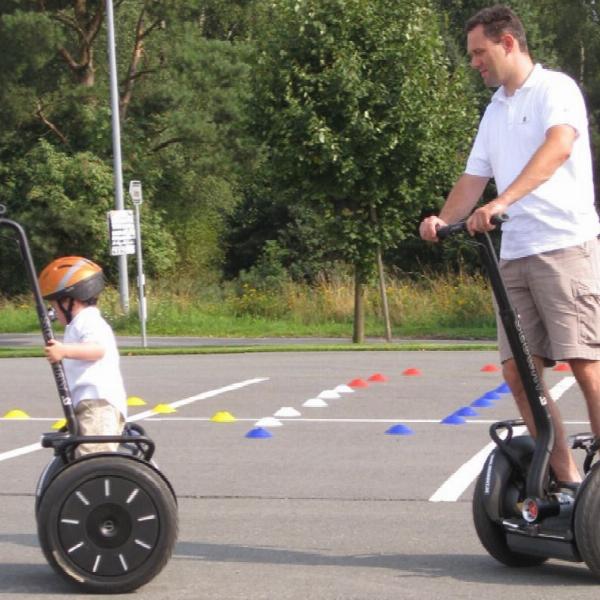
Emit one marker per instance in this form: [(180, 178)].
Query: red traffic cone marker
[(378, 377), (489, 368), (358, 383), (562, 367), (411, 372)]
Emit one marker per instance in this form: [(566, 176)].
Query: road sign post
[(135, 193), (116, 141)]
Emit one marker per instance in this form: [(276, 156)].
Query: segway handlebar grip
[(448, 230)]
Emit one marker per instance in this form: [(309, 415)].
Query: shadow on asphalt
[(39, 578), (20, 578), (466, 567)]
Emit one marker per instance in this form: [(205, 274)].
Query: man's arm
[(461, 200), (554, 151)]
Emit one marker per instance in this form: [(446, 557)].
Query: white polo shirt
[(560, 212), (94, 379)]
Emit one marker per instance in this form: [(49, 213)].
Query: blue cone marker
[(482, 402), (399, 429), (466, 411), (453, 419), (259, 433), (503, 388)]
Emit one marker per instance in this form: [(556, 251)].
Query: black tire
[(587, 520), (50, 470), (108, 524), (490, 531)]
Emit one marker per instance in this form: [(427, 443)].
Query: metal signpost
[(135, 192), (116, 135)]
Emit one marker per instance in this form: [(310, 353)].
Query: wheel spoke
[(142, 544), (96, 563), (123, 562)]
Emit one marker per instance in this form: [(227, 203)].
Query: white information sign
[(121, 230)]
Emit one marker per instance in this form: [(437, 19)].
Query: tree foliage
[(360, 115), (296, 132), (180, 87)]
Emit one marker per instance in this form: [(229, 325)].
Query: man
[(533, 140)]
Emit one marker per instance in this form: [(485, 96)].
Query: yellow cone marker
[(16, 414), (135, 401), (59, 424), (223, 417), (163, 409)]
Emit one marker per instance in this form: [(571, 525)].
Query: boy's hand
[(54, 351)]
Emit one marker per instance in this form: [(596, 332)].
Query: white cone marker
[(287, 411), (329, 395), (343, 389), (315, 403)]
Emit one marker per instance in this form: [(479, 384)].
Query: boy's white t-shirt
[(94, 379)]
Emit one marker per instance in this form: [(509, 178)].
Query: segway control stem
[(45, 323), (537, 478)]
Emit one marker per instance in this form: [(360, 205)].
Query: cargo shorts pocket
[(587, 301)]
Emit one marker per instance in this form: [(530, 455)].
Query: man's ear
[(508, 42)]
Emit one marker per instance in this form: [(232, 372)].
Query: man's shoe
[(567, 487)]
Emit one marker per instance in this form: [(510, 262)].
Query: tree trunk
[(383, 293), (358, 336), (382, 290)]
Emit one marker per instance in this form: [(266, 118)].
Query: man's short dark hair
[(498, 20)]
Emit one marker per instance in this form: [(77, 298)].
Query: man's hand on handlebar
[(481, 218), (428, 228)]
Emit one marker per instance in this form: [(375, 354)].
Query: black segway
[(521, 516), (107, 522)]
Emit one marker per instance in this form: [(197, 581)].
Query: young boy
[(89, 350)]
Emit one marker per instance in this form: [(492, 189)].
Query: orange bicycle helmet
[(72, 277)]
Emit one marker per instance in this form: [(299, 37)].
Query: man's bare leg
[(561, 460), (587, 374)]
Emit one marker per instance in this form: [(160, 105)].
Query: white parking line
[(453, 488), (138, 416), (202, 396)]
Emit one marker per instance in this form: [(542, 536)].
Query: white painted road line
[(202, 396), (228, 388), (453, 488), (20, 451)]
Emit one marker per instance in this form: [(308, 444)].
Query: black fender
[(57, 465), (499, 496)]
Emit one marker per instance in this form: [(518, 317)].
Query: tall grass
[(452, 305)]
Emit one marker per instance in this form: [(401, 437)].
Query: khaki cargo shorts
[(557, 297), (98, 417)]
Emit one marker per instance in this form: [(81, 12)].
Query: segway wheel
[(493, 537), (587, 520), (489, 530), (108, 523)]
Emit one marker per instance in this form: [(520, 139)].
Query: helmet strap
[(67, 310)]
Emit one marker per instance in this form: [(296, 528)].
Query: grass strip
[(9, 352)]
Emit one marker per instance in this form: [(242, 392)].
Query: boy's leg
[(98, 417)]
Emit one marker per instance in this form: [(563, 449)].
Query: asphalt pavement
[(330, 506)]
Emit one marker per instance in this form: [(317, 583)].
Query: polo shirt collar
[(534, 76)]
